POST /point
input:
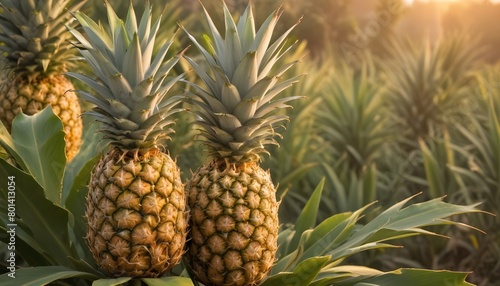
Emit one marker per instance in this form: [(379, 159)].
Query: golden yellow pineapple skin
[(31, 96), (135, 210), (234, 223)]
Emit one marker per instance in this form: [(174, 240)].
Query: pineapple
[(232, 200), (135, 209), (36, 50)]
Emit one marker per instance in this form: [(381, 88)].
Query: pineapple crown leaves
[(235, 111), (131, 95), (33, 35)]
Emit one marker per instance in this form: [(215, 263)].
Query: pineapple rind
[(32, 96), (234, 223), (136, 219)]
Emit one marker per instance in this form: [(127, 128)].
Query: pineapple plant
[(36, 53), (232, 200), (135, 208)]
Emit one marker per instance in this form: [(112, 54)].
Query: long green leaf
[(410, 277), (325, 227), (84, 266), (39, 141), (91, 145), (111, 281), (303, 274), (8, 144), (168, 281), (25, 245), (42, 275), (307, 218), (409, 219), (339, 234), (75, 203), (331, 275), (47, 222), (339, 238), (432, 171)]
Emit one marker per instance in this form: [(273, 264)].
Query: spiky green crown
[(131, 94), (33, 36), (235, 111)]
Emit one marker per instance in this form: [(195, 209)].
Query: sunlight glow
[(444, 1)]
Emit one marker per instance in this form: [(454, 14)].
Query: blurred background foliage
[(399, 99)]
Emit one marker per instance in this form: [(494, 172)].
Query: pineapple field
[(195, 143)]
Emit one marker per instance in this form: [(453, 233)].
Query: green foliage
[(439, 162), (485, 136), (368, 130), (440, 89), (43, 275), (482, 172), (43, 220), (326, 246), (166, 281), (307, 218), (46, 274), (294, 164), (308, 252), (427, 83), (303, 274), (38, 216), (350, 191), (410, 277), (34, 140), (350, 118)]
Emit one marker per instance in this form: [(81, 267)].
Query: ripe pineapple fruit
[(36, 50), (234, 213), (135, 210)]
